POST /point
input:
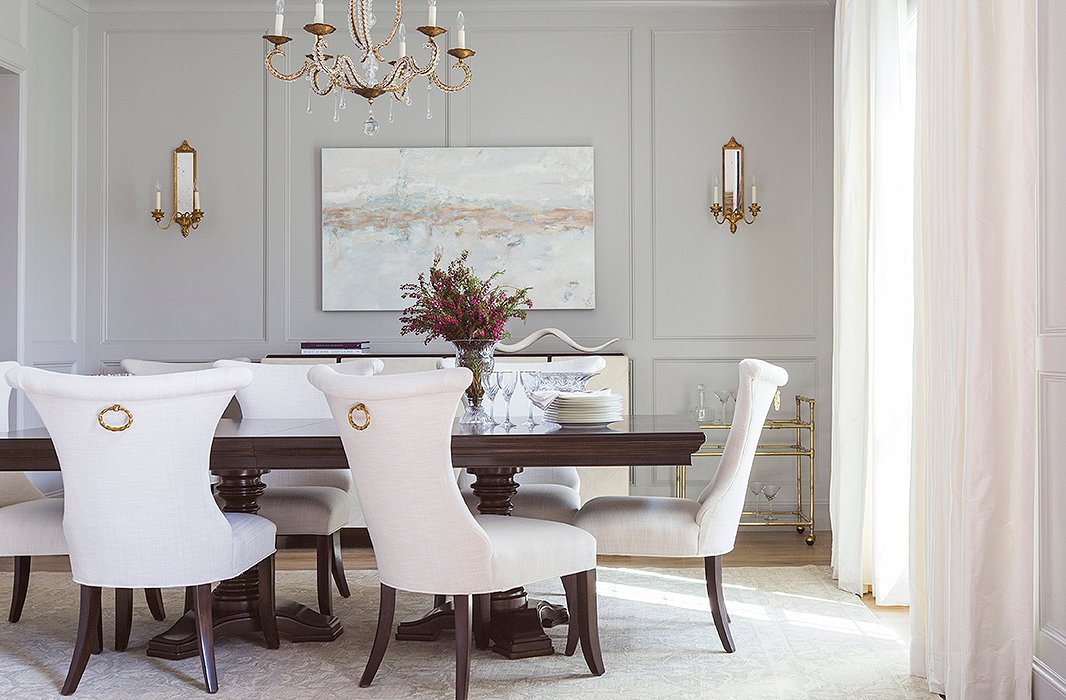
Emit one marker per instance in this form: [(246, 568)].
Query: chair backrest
[(425, 539), (139, 510), (722, 501), (282, 391), (150, 367), (591, 364), (14, 486)]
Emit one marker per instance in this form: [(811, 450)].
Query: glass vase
[(478, 357)]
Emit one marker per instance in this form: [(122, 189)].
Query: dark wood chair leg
[(338, 566), (154, 597), (463, 634), (18, 591), (712, 567), (590, 626), (205, 632), (573, 631), (324, 565), (123, 617), (482, 619), (190, 598), (98, 642), (88, 616), (386, 612), (439, 600), (268, 618)]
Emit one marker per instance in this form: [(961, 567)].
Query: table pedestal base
[(516, 628), (296, 622)]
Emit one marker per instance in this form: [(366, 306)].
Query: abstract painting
[(386, 211)]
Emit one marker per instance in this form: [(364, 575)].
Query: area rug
[(797, 636)]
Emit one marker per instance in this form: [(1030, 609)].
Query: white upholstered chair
[(545, 493), (139, 513), (706, 527), (396, 432), (315, 502), (32, 525)]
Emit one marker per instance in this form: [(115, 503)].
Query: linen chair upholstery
[(707, 526), (153, 367), (316, 502), (425, 538), (120, 532), (547, 493), (32, 524)]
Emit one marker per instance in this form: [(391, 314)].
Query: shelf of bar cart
[(802, 450)]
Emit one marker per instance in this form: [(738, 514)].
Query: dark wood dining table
[(243, 450)]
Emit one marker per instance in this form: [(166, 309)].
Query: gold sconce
[(187, 212), (733, 186)]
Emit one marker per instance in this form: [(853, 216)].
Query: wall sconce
[(187, 212), (733, 181)]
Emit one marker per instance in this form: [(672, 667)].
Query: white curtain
[(975, 330), (873, 299)]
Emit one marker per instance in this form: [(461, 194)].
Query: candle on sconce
[(754, 195), (320, 13), (158, 196), (460, 25), (279, 18), (716, 197), (196, 197), (403, 40), (432, 13)]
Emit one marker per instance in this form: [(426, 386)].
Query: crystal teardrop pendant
[(308, 100), (391, 118), (370, 126), (336, 111), (341, 104)]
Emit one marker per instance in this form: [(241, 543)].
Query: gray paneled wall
[(656, 89)]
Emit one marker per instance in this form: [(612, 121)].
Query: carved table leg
[(235, 601)]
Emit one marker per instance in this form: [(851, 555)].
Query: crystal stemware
[(722, 395), (770, 491), (530, 383), (491, 387), (507, 381), (756, 489)]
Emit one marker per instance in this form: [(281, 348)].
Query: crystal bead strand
[(429, 96)]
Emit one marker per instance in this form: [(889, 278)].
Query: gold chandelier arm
[(395, 26), (268, 61), (445, 87), (318, 90)]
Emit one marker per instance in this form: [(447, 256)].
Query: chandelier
[(368, 75)]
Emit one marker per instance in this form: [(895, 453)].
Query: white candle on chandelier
[(433, 13), (403, 40), (460, 39), (158, 196), (279, 18), (320, 13)]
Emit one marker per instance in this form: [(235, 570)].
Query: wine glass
[(491, 387), (722, 395), (732, 409), (770, 491), (530, 383), (756, 488), (507, 381)]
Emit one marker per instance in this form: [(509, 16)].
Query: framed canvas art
[(386, 211)]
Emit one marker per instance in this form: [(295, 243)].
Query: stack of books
[(333, 347)]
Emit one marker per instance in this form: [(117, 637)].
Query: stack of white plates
[(573, 410)]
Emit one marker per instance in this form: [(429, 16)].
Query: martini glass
[(723, 396), (770, 491), (756, 488)]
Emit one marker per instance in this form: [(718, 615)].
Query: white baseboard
[(1047, 684)]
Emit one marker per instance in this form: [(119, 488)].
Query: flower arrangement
[(453, 303)]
